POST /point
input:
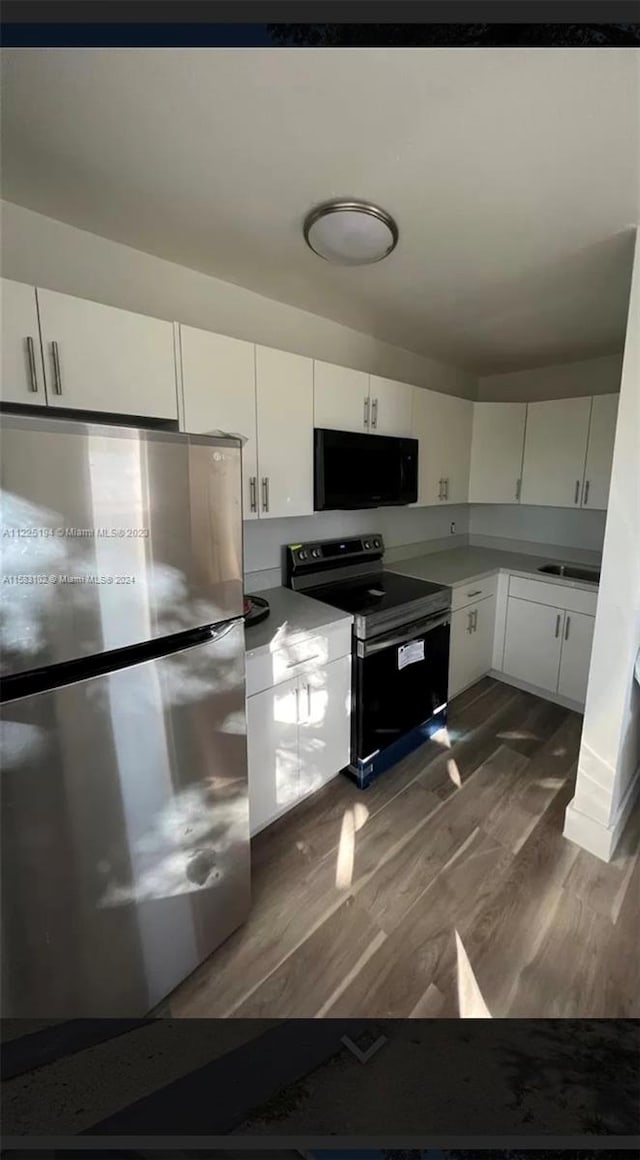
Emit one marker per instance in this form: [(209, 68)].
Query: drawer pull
[(303, 660), (476, 592)]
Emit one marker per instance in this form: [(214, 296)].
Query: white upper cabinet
[(554, 452), (349, 400), (284, 391), (219, 394), (391, 406), (22, 370), (340, 397), (99, 358), (442, 424), (602, 431), (497, 447)]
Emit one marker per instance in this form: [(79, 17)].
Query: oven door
[(400, 681)]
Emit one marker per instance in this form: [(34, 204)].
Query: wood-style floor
[(446, 889)]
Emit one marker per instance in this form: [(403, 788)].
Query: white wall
[(400, 528), (595, 376), (57, 256), (608, 764), (538, 525)]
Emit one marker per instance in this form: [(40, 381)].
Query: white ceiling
[(513, 176)]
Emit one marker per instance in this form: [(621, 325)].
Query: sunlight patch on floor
[(471, 1005), (443, 737), (454, 772), (353, 820)]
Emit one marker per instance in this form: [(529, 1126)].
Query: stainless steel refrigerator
[(125, 817)]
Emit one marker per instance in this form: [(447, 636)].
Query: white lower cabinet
[(548, 647), (577, 639), (533, 642), (471, 644), (324, 736), (272, 750), (298, 738)]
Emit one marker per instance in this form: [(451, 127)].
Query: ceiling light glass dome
[(350, 233)]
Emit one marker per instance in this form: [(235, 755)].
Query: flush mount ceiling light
[(350, 233)]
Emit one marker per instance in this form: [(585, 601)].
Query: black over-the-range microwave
[(356, 470)]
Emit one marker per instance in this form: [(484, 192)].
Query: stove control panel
[(325, 555)]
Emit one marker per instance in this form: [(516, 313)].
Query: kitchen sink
[(573, 572)]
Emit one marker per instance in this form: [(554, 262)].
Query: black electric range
[(401, 632)]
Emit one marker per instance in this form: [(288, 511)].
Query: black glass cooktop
[(376, 593)]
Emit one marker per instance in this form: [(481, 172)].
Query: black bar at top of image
[(260, 12), (336, 36)]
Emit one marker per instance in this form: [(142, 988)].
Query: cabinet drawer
[(301, 655), (557, 595), (473, 591)]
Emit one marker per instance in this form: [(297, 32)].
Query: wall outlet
[(452, 528)]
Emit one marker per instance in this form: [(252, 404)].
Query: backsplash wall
[(402, 528), (539, 525)]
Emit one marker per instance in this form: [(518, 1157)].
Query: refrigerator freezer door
[(112, 536), (125, 832)]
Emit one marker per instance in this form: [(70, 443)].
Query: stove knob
[(315, 552), (376, 543), (302, 555), (367, 545)]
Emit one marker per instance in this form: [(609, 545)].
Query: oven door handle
[(368, 648)]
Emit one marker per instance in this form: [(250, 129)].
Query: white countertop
[(291, 616), (462, 565)]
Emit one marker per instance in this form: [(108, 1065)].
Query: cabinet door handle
[(265, 493), (366, 411), (253, 494), (33, 374), (374, 413), (586, 493), (308, 689), (518, 488), (440, 486), (57, 376), (577, 491), (446, 488), (566, 628), (475, 620), (470, 624), (558, 619)]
